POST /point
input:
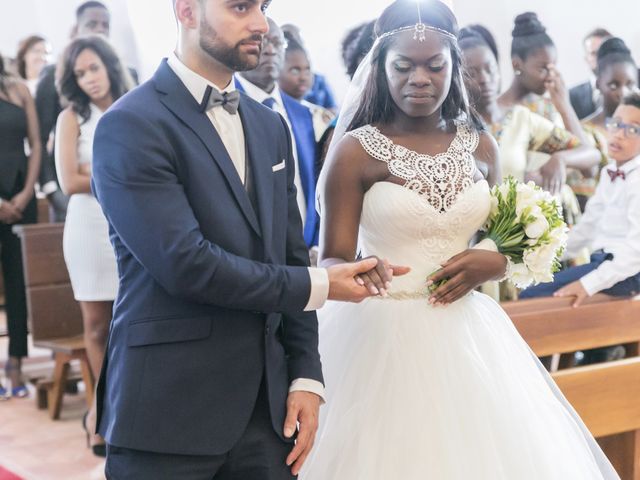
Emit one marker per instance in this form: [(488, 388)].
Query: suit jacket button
[(266, 330)]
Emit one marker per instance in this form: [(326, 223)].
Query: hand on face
[(556, 87)]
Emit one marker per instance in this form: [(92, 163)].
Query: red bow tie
[(613, 174)]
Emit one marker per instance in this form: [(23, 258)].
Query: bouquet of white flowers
[(526, 226)]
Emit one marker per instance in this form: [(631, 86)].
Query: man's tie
[(227, 100), (269, 102), (613, 174)]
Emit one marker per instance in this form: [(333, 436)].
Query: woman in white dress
[(419, 385), (92, 78)]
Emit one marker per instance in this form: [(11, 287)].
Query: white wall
[(54, 20), (144, 30)]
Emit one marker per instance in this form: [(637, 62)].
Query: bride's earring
[(518, 72)]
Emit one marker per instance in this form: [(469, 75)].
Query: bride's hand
[(378, 279), (464, 272)]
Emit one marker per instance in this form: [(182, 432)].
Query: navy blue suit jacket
[(211, 291), (581, 97), (301, 121)]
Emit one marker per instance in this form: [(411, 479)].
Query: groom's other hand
[(302, 410)]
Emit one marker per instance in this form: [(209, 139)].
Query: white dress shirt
[(229, 127), (611, 222), (260, 96)]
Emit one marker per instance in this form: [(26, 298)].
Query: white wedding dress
[(436, 393)]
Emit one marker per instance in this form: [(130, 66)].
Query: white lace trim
[(440, 179)]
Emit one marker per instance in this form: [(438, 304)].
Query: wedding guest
[(33, 55), (320, 93), (92, 17), (261, 85), (616, 78), (517, 129), (534, 56), (91, 79), (18, 175), (295, 80), (585, 97), (610, 226)]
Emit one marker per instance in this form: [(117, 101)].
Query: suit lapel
[(184, 106), (261, 170)]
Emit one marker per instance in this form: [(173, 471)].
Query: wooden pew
[(55, 320), (606, 395)]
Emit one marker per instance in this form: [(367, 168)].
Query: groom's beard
[(231, 57)]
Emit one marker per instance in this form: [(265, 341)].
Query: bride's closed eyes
[(435, 65)]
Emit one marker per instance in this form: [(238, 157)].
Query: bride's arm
[(346, 176)]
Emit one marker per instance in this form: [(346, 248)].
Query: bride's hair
[(377, 104)]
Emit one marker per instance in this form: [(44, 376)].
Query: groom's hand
[(302, 410), (346, 281)]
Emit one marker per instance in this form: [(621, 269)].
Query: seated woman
[(610, 225), (538, 86), (616, 78)]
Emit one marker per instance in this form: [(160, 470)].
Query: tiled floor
[(36, 447)]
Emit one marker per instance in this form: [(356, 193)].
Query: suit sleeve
[(48, 108), (300, 329), (135, 180)]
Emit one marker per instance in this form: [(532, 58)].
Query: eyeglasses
[(630, 130)]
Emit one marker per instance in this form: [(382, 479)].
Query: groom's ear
[(186, 12)]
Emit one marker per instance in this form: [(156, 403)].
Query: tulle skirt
[(441, 393)]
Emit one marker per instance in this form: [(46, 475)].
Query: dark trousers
[(259, 455), (15, 297), (626, 288)]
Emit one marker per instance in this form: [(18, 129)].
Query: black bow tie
[(227, 100), (613, 174)]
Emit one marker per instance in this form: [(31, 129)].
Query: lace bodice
[(440, 178), (433, 216)]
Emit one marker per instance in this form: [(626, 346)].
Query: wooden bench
[(606, 395), (55, 320)]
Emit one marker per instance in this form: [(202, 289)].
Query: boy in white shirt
[(610, 226)]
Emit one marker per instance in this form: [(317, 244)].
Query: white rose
[(537, 228), (543, 277), (540, 261), (559, 237), (520, 275)]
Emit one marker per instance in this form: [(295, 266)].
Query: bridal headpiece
[(419, 30)]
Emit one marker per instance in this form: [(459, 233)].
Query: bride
[(427, 386)]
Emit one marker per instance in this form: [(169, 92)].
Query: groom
[(212, 359)]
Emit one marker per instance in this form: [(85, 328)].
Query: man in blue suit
[(212, 356), (261, 84)]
